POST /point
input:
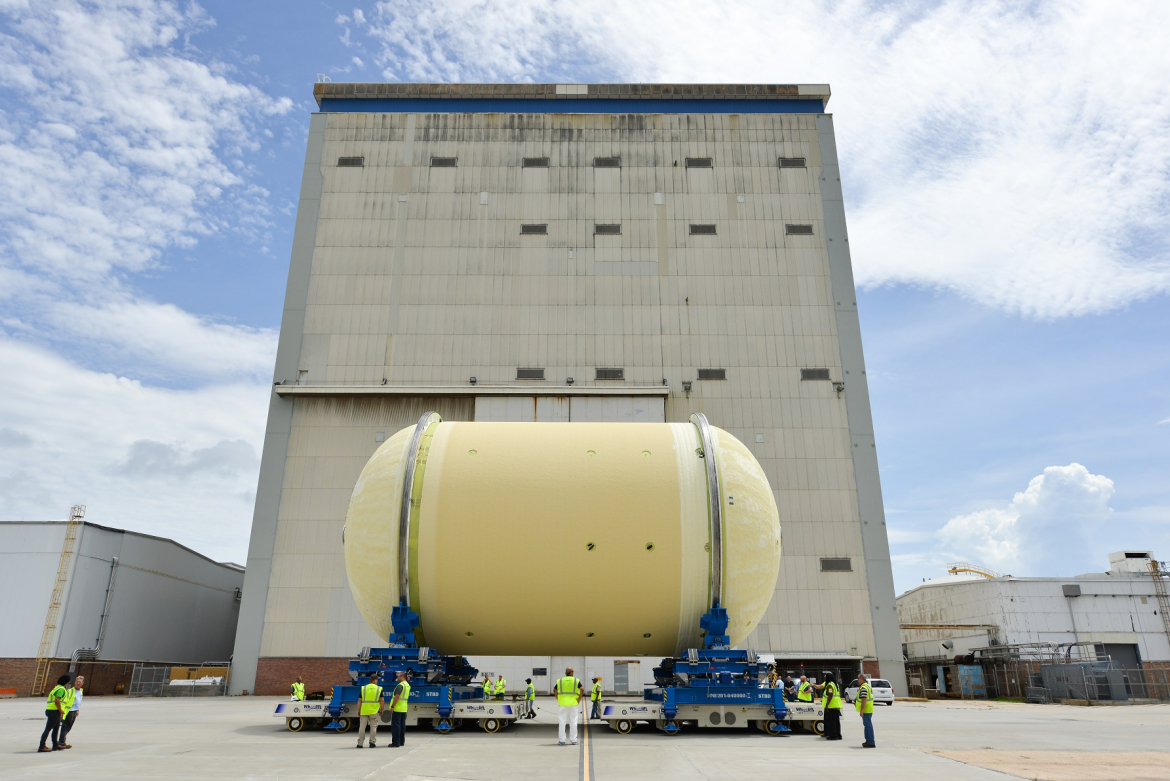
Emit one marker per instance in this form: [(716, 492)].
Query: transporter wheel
[(489, 725), (344, 724), (672, 727), (295, 724), (773, 727), (624, 726), (444, 726), (818, 728)]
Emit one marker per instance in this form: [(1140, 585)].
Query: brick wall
[(100, 677), (275, 674), (870, 668)]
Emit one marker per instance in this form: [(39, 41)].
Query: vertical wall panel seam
[(871, 512), (250, 629)]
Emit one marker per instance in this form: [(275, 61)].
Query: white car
[(883, 693)]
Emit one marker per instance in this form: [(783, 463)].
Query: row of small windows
[(598, 162), (615, 229), (614, 373)]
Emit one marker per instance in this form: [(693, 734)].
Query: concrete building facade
[(128, 597), (570, 252)]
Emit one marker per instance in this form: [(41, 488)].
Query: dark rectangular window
[(814, 374), (536, 162), (610, 374), (534, 230), (792, 162), (539, 671), (702, 230), (444, 162), (836, 565), (351, 162), (712, 374), (698, 162), (798, 230), (607, 162), (530, 374), (608, 230)]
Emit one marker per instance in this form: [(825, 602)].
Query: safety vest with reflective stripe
[(487, 686), (67, 700), (864, 702), (832, 699), (371, 699), (501, 685), (298, 691), (57, 691), (530, 692), (805, 692), (596, 692), (567, 691), (403, 692)]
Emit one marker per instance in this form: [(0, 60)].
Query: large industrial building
[(121, 598), (570, 252), (1120, 618)]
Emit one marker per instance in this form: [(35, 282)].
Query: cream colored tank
[(562, 538)]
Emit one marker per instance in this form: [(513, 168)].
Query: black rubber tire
[(295, 724), (489, 726), (772, 727), (817, 727), (344, 724), (624, 726)]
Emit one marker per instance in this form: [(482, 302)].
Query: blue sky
[(1008, 192)]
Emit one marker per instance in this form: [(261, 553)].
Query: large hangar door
[(575, 409)]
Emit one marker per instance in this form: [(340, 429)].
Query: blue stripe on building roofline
[(571, 106)]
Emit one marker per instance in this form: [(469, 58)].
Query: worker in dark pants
[(398, 706), (54, 712), (595, 695), (72, 708), (831, 701)]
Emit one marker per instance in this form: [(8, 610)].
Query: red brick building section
[(274, 675)]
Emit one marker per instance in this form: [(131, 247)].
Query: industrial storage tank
[(562, 538)]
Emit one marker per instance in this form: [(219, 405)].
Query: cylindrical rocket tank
[(562, 538)]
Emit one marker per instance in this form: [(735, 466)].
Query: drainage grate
[(530, 374), (712, 374), (444, 162), (351, 162), (609, 374), (798, 230), (814, 374), (698, 162), (836, 565), (792, 162), (534, 230), (607, 162), (702, 230), (536, 162), (608, 230)]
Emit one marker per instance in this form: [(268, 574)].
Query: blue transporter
[(715, 686), (441, 694)]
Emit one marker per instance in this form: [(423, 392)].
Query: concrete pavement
[(237, 737)]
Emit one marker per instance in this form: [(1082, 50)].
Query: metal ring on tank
[(404, 509), (714, 506)]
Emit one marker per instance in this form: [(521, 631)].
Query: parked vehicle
[(883, 693)]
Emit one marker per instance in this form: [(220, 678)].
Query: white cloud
[(1011, 152), (177, 463), (1053, 527)]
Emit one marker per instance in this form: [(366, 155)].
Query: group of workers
[(61, 711), (829, 693), (569, 692)]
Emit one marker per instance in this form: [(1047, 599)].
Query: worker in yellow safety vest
[(55, 711), (398, 706), (569, 691), (72, 708), (298, 689), (370, 705), (864, 705), (487, 686), (804, 692), (831, 701), (530, 696), (595, 695), (501, 687)]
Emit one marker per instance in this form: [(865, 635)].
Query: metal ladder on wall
[(1157, 573), (76, 513)]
